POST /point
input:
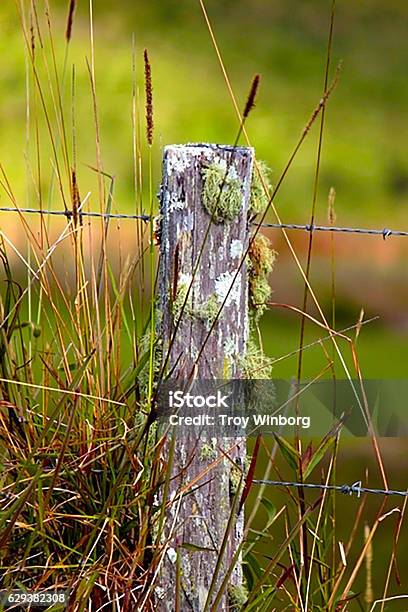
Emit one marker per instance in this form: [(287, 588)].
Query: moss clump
[(259, 199), (237, 596), (260, 294), (208, 453), (261, 255), (178, 303), (222, 192), (255, 364), (261, 260), (208, 311)]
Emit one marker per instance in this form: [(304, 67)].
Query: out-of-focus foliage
[(367, 119)]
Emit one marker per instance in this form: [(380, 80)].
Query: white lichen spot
[(228, 284), (239, 527), (183, 454), (232, 173), (172, 555), (160, 592), (178, 161), (236, 249), (175, 203), (223, 165)]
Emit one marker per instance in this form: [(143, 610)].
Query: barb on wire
[(346, 489), (385, 232)]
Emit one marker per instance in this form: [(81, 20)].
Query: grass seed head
[(70, 20), (250, 103), (149, 98)]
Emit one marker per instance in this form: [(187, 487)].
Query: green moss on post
[(208, 311), (178, 303), (261, 260), (208, 452), (255, 364), (222, 192), (259, 196)]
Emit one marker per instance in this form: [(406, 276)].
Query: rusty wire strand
[(384, 232)]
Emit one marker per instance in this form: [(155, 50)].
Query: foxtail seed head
[(149, 98)]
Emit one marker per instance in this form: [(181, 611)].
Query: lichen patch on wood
[(261, 188), (228, 288), (236, 249), (261, 259), (222, 191)]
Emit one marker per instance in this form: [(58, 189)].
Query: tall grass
[(82, 463)]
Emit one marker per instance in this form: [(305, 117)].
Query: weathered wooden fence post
[(203, 184)]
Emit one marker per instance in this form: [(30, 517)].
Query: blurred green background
[(367, 124), (364, 149)]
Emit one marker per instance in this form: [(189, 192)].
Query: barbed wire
[(385, 232), (346, 489), (69, 213)]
